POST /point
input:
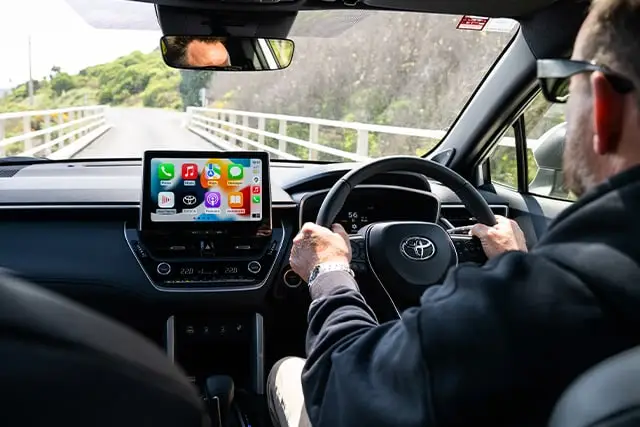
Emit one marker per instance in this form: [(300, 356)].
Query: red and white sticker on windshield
[(482, 23), (474, 23)]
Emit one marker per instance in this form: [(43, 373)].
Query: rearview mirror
[(226, 53)]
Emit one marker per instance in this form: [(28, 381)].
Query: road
[(135, 130)]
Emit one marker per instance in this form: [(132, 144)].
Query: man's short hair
[(613, 37), (177, 47)]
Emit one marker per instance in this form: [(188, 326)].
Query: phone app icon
[(212, 171), (212, 199), (235, 200), (255, 199), (166, 199), (255, 189), (235, 172), (166, 171), (189, 171)]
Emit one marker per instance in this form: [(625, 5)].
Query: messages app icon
[(235, 172), (166, 171)]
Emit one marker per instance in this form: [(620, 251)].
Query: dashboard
[(74, 228), (373, 203)]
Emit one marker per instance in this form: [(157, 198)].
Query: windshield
[(361, 85)]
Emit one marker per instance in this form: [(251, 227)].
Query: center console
[(206, 226), (206, 221)]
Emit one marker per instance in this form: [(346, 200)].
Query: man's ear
[(607, 115)]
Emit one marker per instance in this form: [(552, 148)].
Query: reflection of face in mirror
[(226, 53), (207, 53), (196, 52)]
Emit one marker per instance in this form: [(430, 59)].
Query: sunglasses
[(554, 76)]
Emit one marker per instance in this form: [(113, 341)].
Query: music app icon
[(189, 171)]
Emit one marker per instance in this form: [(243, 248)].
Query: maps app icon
[(213, 171)]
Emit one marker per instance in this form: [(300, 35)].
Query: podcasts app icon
[(212, 199)]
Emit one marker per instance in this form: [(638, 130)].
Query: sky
[(59, 36)]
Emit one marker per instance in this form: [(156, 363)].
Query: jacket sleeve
[(485, 334)]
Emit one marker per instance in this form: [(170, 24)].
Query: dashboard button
[(291, 279), (254, 267), (163, 269)]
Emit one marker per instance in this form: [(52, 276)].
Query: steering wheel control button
[(254, 267), (291, 279), (163, 269), (357, 249), (469, 249), (359, 267)]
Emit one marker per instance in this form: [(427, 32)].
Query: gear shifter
[(219, 393)]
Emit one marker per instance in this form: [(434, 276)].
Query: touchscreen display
[(207, 190)]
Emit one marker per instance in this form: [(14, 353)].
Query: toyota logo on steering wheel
[(417, 248)]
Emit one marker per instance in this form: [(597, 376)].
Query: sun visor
[(133, 15), (116, 14), (489, 8)]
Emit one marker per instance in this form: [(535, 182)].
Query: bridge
[(101, 131)]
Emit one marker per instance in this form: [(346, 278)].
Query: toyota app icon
[(189, 200)]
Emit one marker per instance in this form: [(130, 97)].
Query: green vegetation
[(134, 80), (418, 74)]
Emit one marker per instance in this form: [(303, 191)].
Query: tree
[(190, 85), (61, 83), (54, 70)]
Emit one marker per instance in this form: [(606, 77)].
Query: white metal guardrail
[(58, 134), (232, 129)]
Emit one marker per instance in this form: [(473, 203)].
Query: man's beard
[(578, 159)]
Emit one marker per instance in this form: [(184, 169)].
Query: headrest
[(607, 395)]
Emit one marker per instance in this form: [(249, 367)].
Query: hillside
[(418, 71), (137, 79)]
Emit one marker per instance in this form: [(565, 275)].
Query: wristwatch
[(326, 267)]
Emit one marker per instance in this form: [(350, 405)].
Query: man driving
[(496, 343)]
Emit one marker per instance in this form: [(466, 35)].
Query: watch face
[(314, 273)]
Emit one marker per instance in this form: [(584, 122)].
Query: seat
[(608, 395), (63, 364)]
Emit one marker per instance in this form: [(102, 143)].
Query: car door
[(525, 167)]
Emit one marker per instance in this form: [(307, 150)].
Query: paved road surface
[(135, 130)]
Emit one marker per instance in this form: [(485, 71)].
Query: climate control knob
[(254, 267), (163, 269)]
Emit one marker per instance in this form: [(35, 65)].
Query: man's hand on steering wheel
[(503, 237), (316, 245)]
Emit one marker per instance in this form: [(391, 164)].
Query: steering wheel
[(410, 254)]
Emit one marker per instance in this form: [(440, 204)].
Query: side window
[(543, 125)]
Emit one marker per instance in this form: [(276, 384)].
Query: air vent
[(459, 216)]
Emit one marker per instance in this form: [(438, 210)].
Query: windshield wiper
[(11, 160)]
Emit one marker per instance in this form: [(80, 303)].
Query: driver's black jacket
[(495, 344)]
